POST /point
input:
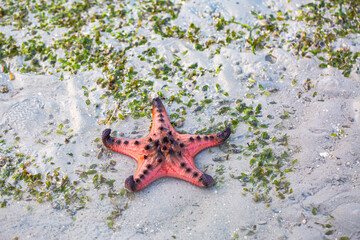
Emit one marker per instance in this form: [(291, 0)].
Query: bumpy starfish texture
[(164, 152)]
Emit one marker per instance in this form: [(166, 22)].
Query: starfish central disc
[(164, 152)]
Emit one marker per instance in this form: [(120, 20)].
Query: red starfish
[(164, 152)]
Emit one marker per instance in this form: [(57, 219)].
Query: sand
[(326, 176)]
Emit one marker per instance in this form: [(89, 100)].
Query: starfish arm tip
[(224, 134), (106, 138), (130, 184), (157, 102), (206, 180)]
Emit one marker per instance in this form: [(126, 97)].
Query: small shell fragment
[(324, 154)]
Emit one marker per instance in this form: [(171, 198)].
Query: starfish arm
[(161, 121), (131, 147), (187, 171), (181, 168), (139, 181), (150, 168), (196, 143)]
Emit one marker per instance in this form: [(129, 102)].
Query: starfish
[(164, 152)]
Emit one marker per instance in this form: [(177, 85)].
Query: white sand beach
[(57, 118)]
